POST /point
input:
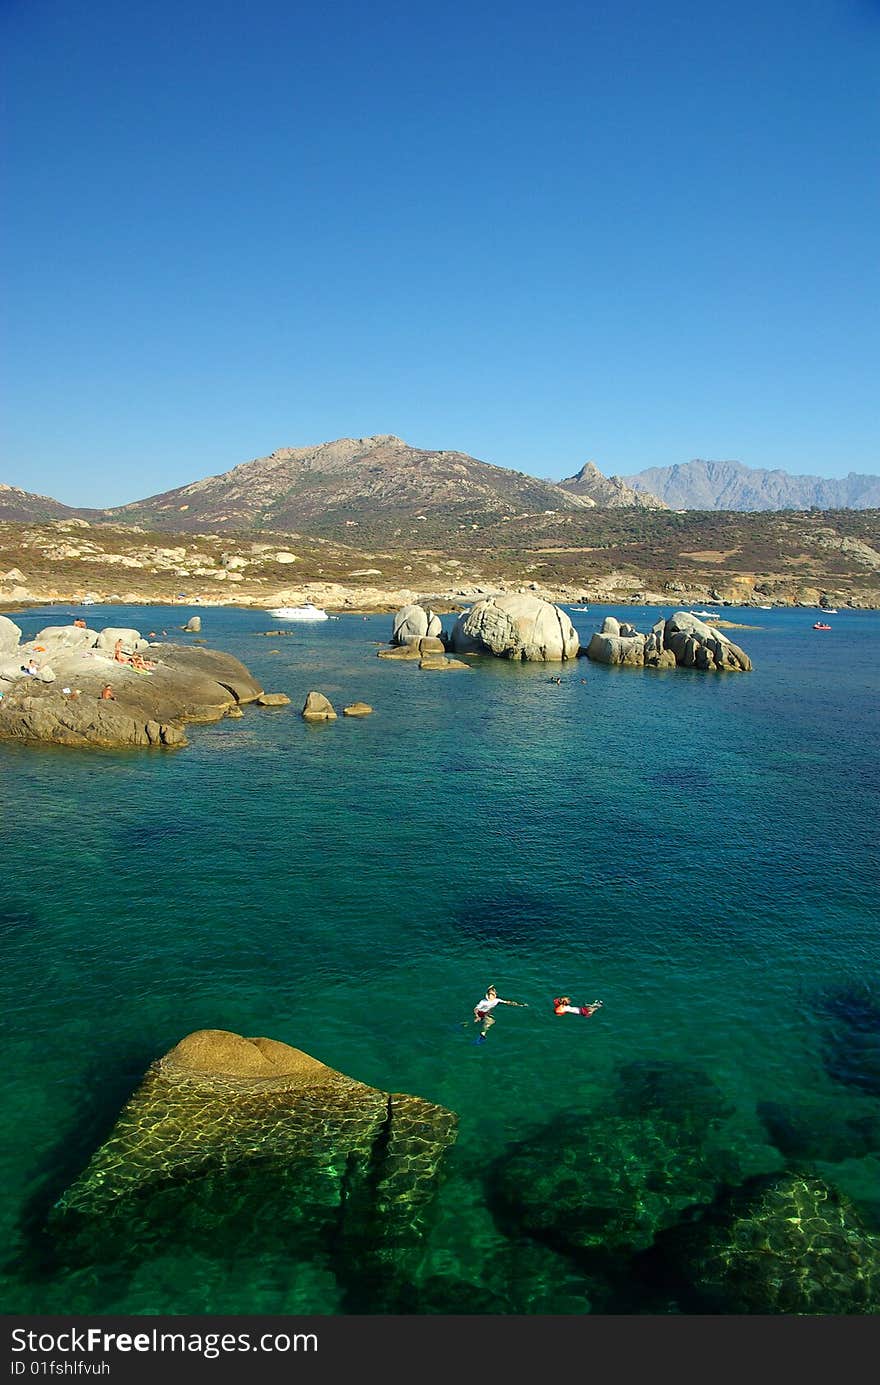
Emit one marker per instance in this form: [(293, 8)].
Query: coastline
[(338, 600), (70, 563)]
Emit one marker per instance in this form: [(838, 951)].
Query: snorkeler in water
[(562, 1006)]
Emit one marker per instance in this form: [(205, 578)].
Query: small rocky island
[(682, 641), (522, 626), (509, 625), (71, 685)]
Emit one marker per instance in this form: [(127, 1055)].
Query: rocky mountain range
[(382, 485), (704, 485), (349, 480)]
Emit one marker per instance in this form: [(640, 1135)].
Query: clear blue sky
[(635, 232)]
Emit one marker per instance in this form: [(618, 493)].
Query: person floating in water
[(483, 1008), (562, 1006)]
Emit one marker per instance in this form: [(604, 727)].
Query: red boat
[(821, 626)]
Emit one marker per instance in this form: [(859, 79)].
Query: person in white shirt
[(484, 1007)]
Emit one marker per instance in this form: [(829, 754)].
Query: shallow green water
[(699, 851)]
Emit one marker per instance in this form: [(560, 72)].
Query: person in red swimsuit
[(562, 1006)]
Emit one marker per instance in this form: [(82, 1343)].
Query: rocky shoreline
[(66, 562), (339, 599), (75, 686)]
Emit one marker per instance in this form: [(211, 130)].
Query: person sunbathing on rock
[(135, 660), (140, 663)]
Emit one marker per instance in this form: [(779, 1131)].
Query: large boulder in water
[(617, 643), (413, 622), (851, 1035), (317, 707), (232, 1145), (516, 626)]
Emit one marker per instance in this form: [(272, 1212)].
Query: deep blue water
[(697, 850)]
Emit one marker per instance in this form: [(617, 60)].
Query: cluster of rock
[(509, 625), (414, 622), (650, 1177), (429, 652), (682, 641), (50, 687), (416, 633), (231, 1142), (317, 707)]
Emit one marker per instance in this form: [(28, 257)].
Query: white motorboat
[(705, 615), (306, 612)]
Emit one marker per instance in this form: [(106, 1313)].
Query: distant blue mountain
[(700, 485)]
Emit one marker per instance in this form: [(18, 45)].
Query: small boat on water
[(820, 625), (828, 611), (705, 615), (580, 608), (306, 612)]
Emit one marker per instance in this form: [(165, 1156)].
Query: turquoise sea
[(699, 851)]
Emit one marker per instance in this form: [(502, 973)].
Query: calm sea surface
[(699, 851)]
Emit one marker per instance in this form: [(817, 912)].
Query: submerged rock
[(230, 1142), (787, 1243), (403, 651), (516, 626), (818, 1129), (440, 661), (601, 1186), (851, 1037)]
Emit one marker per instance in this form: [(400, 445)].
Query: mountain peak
[(592, 485)]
